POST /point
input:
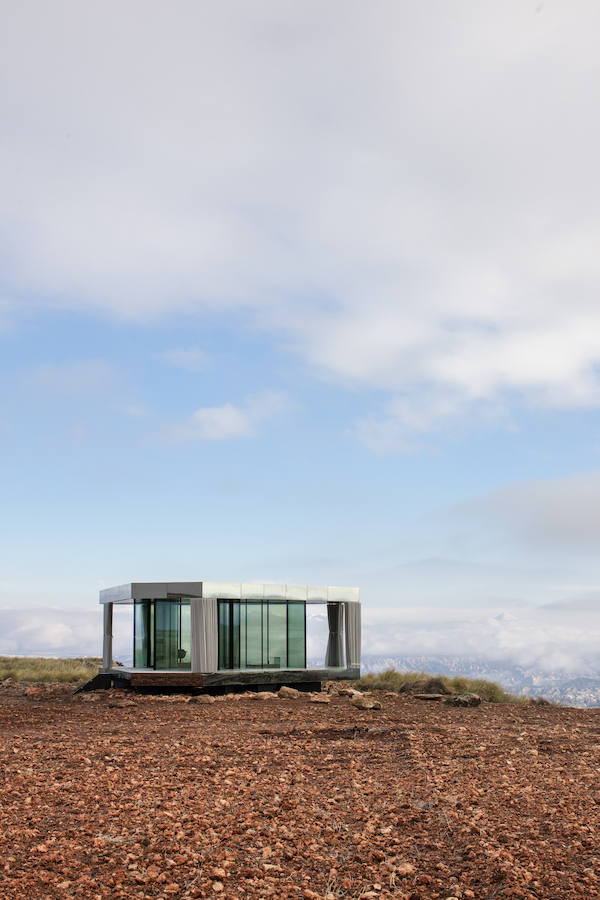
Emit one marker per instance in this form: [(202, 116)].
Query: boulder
[(265, 695), (464, 700), (289, 693), (424, 686), (121, 704), (202, 698), (319, 698), (435, 686), (363, 702), (404, 869)]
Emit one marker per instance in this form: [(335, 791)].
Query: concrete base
[(225, 681)]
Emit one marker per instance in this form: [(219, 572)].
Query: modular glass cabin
[(219, 633)]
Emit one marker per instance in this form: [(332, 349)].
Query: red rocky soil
[(293, 799)]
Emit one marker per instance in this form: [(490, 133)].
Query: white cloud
[(72, 378), (7, 314), (406, 416), (135, 410), (425, 221), (220, 422), (46, 631), (554, 515), (217, 423), (192, 359), (545, 639)]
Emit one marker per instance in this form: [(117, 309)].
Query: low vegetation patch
[(28, 669), (422, 683)]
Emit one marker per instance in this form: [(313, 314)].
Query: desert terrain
[(171, 798)]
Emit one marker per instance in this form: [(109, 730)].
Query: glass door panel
[(184, 647), (254, 635), (162, 634), (141, 634), (296, 635), (166, 634), (277, 645), (224, 637), (235, 635)]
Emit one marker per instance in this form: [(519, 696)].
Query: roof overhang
[(226, 590)]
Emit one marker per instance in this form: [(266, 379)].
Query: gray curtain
[(205, 639), (335, 643), (352, 634)]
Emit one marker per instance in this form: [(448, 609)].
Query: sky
[(302, 294)]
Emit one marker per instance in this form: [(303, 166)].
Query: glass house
[(222, 633)]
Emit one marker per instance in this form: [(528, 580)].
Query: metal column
[(107, 644)]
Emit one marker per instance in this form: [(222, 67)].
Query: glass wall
[(141, 634), (162, 634), (251, 636), (277, 635), (296, 631), (184, 651), (166, 638), (269, 634), (225, 648)]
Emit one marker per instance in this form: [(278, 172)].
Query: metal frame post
[(108, 636)]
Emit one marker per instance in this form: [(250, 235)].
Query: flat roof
[(228, 590)]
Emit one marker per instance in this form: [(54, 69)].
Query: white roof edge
[(138, 590), (119, 594)]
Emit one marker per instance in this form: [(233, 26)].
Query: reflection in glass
[(252, 631), (141, 634), (162, 634), (235, 631), (277, 635), (224, 633), (166, 634), (296, 629), (184, 650)]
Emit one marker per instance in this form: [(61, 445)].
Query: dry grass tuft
[(419, 682), (27, 669)]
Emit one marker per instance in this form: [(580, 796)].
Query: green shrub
[(418, 682), (27, 669)]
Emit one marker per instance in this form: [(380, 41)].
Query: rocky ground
[(295, 799)]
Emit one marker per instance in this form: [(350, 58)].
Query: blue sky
[(304, 295)]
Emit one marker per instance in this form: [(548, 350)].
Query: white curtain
[(335, 643), (352, 634), (205, 638)]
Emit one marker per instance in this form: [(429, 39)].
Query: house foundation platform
[(230, 681)]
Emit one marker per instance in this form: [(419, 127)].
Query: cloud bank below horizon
[(556, 638)]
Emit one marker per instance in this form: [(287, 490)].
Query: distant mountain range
[(567, 688)]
